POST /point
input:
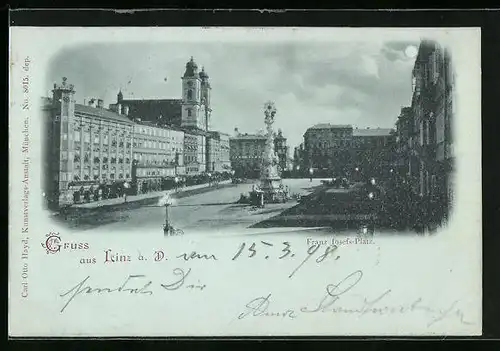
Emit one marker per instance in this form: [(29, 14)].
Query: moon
[(411, 51)]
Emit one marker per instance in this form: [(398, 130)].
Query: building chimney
[(125, 110), (119, 109), (100, 103)]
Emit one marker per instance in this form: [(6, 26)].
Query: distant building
[(246, 151), (282, 151), (327, 148), (339, 149), (158, 153), (298, 158), (195, 153), (88, 149), (218, 156), (373, 151)]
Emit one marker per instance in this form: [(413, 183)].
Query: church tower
[(191, 97), (205, 99)]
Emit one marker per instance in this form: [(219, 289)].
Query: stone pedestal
[(273, 190), (270, 180)]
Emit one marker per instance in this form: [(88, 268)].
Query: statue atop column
[(270, 180)]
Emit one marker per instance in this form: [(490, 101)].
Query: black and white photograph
[(355, 136), (223, 181)]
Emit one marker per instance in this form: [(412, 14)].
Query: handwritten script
[(133, 284), (337, 298), (331, 302)]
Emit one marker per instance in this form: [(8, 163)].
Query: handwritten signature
[(133, 284), (329, 303)]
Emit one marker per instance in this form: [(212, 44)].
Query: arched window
[(190, 94)]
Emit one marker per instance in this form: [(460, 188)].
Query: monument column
[(270, 180)]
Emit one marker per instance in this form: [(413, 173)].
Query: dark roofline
[(149, 100), (248, 136), (98, 112), (382, 132), (329, 126)]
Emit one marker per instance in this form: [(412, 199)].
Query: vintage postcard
[(244, 182)]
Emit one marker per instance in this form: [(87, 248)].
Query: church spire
[(191, 69)]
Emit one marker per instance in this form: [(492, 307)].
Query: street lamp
[(311, 171), (209, 179), (167, 202), (126, 185), (176, 181)]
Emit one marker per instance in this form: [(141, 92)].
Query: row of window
[(97, 140), (97, 137), (191, 159), (330, 135), (160, 172), (77, 177), (154, 159), (96, 129), (112, 160), (96, 166), (149, 144), (354, 143), (246, 157), (159, 132)]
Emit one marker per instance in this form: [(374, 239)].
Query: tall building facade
[(88, 148), (433, 112), (158, 153), (404, 131)]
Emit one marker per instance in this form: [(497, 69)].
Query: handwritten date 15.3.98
[(285, 252)]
